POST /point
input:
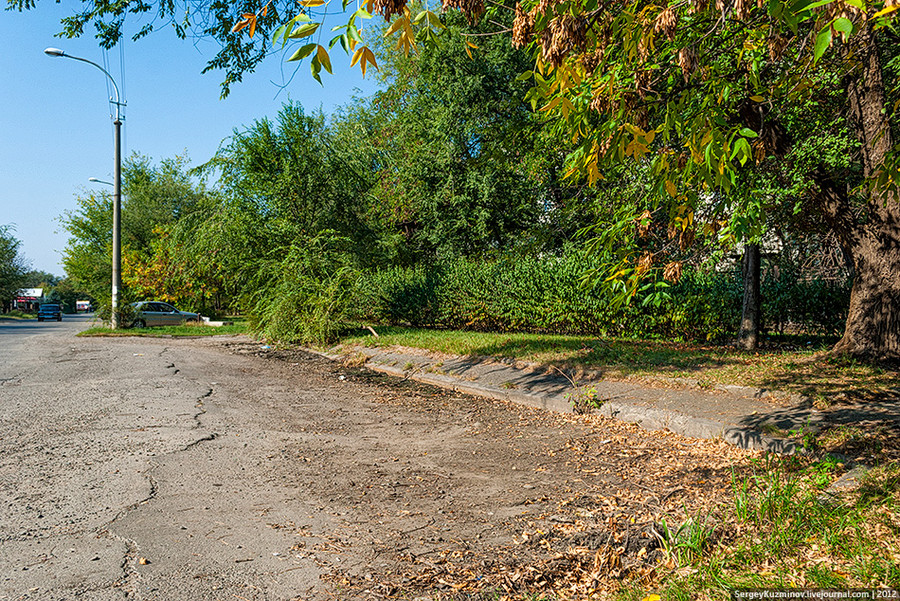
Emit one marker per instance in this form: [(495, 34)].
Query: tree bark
[(872, 239), (751, 310)]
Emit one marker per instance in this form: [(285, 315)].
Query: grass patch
[(184, 330), (790, 365), (17, 315), (779, 533)]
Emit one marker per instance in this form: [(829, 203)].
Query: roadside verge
[(745, 417)]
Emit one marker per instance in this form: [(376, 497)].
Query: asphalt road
[(90, 431), (183, 469), (222, 469)]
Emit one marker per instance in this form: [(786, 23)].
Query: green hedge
[(546, 294), (813, 306)]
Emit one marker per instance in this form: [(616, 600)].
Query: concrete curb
[(215, 324), (649, 418)]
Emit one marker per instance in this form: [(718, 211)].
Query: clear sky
[(55, 125)]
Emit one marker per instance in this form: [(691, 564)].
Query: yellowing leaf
[(635, 149), (653, 597), (363, 55), (406, 42), (671, 189), (356, 56), (240, 25), (370, 57), (247, 20), (565, 107), (311, 3), (322, 54), (888, 10), (552, 104), (616, 276), (397, 24), (593, 172)]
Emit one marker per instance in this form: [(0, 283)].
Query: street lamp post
[(117, 190)]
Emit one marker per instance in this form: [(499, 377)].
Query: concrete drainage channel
[(731, 413), (534, 386)]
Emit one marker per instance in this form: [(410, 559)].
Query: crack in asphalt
[(13, 381), (130, 574), (201, 411)]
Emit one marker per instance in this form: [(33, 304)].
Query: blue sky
[(55, 126)]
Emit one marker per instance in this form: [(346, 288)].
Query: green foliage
[(68, 294), (784, 527), (549, 295), (87, 257), (16, 314), (190, 329), (12, 265), (521, 293), (297, 178), (155, 197), (307, 296), (124, 311), (216, 250), (686, 543), (463, 166), (820, 305), (39, 279)]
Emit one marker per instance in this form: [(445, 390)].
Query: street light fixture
[(117, 188), (100, 181)]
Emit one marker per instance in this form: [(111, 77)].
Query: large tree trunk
[(751, 310), (872, 330), (872, 239)]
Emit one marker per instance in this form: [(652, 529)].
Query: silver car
[(158, 313)]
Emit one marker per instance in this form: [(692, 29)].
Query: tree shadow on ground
[(824, 378)]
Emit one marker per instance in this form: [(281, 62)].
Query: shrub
[(547, 294), (309, 293)]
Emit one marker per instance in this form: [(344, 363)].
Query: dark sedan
[(49, 311)]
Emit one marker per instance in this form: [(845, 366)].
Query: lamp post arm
[(105, 72)]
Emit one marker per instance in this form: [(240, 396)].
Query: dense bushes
[(523, 294), (305, 296), (547, 294), (791, 302)]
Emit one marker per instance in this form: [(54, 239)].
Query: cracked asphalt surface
[(216, 468)]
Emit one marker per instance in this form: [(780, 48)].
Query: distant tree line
[(15, 275), (13, 267)]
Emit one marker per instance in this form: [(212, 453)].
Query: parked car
[(49, 311), (157, 313)]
